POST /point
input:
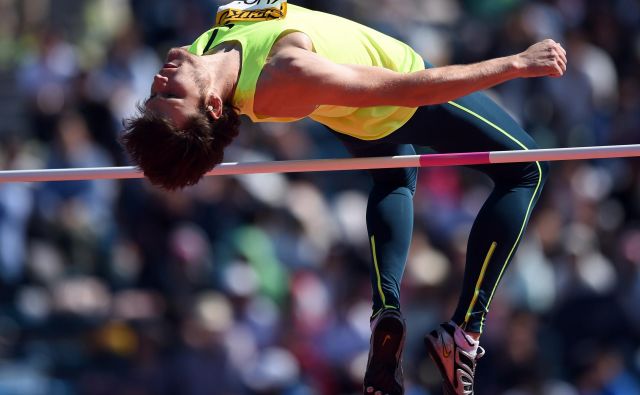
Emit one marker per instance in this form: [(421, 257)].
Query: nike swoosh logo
[(387, 337), (446, 351)]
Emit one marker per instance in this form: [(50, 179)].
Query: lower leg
[(493, 240), (390, 224)]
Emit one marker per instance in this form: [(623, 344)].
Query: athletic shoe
[(384, 367), (455, 354)]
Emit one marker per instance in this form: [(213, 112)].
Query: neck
[(223, 69)]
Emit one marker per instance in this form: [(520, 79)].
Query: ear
[(214, 107)]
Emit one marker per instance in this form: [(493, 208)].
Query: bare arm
[(307, 79)]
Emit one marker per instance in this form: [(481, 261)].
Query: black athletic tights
[(471, 123)]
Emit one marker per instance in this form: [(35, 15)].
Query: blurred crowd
[(259, 284)]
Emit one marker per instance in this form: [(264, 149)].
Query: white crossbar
[(428, 160)]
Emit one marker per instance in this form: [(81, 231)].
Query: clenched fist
[(544, 59)]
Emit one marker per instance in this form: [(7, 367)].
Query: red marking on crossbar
[(458, 159)]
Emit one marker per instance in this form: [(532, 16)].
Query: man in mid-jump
[(276, 62)]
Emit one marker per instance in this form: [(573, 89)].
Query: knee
[(392, 179), (544, 172), (531, 175), (536, 174)]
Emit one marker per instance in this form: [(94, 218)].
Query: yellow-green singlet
[(337, 39)]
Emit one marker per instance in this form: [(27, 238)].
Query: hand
[(544, 59)]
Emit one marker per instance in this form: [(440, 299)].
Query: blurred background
[(259, 284)]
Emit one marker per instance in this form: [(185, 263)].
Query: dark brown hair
[(172, 157)]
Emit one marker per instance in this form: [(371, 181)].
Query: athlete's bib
[(251, 10)]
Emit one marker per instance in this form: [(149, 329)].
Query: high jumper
[(277, 62)]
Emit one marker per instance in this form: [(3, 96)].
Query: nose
[(159, 81)]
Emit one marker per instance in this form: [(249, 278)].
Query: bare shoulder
[(283, 53), (277, 83), (293, 39)]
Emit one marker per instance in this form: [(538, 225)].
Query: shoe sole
[(386, 346), (433, 353)]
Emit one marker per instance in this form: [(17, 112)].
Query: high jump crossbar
[(293, 166)]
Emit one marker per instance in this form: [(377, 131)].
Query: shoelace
[(468, 388)]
